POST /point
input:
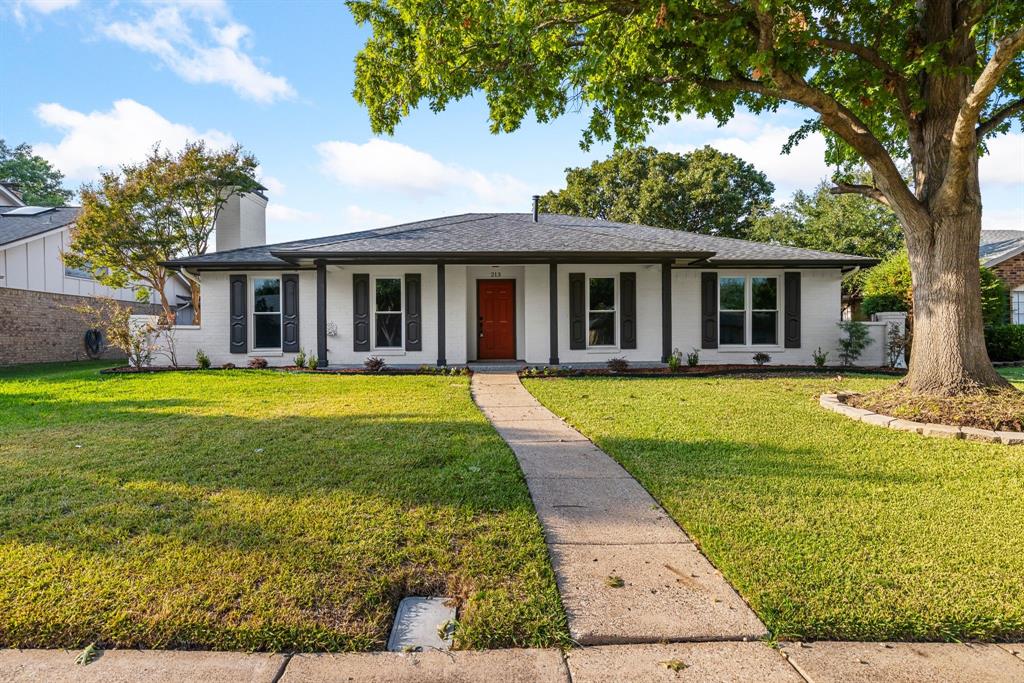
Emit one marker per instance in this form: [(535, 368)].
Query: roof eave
[(534, 257)]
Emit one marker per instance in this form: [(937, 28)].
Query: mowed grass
[(830, 528), (258, 511)]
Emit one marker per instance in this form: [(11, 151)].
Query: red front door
[(496, 323)]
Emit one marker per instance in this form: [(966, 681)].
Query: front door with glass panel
[(496, 324)]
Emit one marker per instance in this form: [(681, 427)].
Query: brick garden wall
[(41, 327)]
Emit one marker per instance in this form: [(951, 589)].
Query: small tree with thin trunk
[(167, 206), (918, 82)]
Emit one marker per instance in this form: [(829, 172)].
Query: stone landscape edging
[(837, 404)]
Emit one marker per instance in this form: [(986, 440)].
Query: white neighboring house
[(38, 293), (540, 288)]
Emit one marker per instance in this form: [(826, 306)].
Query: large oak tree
[(921, 82)]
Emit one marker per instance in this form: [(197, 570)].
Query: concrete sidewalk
[(626, 572), (737, 662)]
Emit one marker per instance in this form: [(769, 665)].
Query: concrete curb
[(837, 404)]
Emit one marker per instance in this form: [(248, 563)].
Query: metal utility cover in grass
[(422, 624)]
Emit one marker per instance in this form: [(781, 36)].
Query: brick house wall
[(42, 327), (1011, 271)]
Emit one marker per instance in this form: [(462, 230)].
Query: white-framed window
[(748, 310), (387, 313), (764, 310), (732, 315), (266, 313), (1017, 307), (601, 311)]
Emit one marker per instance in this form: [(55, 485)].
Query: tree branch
[(998, 116), (964, 139), (869, 191)]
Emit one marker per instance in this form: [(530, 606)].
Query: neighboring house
[(540, 288), (38, 293), (1003, 252)]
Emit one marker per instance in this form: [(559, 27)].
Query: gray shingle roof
[(516, 236), (15, 228), (997, 245)]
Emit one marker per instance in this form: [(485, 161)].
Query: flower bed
[(422, 370), (706, 371)]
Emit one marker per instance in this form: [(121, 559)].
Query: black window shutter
[(627, 302), (577, 311), (709, 310), (361, 311), (792, 311), (290, 312), (413, 313), (239, 315)]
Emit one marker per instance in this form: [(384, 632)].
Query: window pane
[(389, 294), (731, 328), (763, 327), (266, 331), (764, 293), (730, 294), (268, 295), (602, 294), (602, 329), (1017, 306), (389, 329)]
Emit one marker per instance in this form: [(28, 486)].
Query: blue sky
[(93, 84)]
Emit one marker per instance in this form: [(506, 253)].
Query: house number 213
[(495, 273)]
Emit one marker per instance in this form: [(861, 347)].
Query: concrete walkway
[(737, 662), (626, 572)]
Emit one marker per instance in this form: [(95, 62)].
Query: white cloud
[(200, 42), (1004, 163), (272, 184), (288, 214), (359, 218), (19, 7), (107, 139), (391, 166)]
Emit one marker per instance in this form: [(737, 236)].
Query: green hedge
[(1005, 343)]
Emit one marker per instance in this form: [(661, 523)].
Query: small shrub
[(1005, 343), (896, 341), (675, 360), (693, 358), (228, 366), (375, 363), (202, 360), (856, 340), (618, 364), (257, 363), (761, 358), (312, 362), (820, 357), (300, 358)]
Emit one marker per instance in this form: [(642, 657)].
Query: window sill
[(749, 348), (598, 350), (264, 353), (388, 351)]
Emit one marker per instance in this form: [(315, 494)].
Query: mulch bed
[(1001, 410), (712, 370), (128, 370)]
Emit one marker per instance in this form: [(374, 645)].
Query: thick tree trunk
[(948, 356)]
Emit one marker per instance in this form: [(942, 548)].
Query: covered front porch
[(510, 313)]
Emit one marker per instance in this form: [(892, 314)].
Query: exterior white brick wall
[(820, 314)]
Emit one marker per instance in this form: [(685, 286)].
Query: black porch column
[(553, 314), (441, 359), (666, 311), (321, 314)]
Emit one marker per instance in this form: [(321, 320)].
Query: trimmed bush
[(1005, 343)]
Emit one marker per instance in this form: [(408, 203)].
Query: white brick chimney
[(242, 222)]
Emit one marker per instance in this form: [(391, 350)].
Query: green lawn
[(258, 510), (828, 527)]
